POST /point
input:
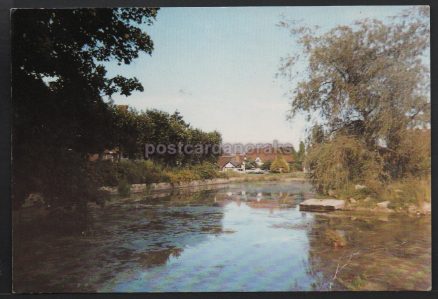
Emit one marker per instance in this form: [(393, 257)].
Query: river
[(238, 237)]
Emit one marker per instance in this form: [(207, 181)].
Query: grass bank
[(411, 195), (122, 175)]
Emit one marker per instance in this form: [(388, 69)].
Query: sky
[(217, 67)]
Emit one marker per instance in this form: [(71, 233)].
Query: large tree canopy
[(366, 88), (134, 129), (58, 87), (369, 78), (68, 43)]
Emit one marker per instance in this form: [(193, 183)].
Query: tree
[(367, 80), (301, 152), (127, 127), (251, 164), (368, 77), (293, 153), (135, 129), (279, 164), (342, 162), (298, 157), (60, 90), (316, 136)]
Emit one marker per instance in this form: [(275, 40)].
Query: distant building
[(268, 154), (111, 155), (260, 156), (232, 162)]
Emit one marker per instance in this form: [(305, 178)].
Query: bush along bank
[(128, 189), (371, 176), (126, 173), (411, 196), (126, 177)]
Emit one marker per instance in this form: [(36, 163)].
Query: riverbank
[(368, 204), (375, 205), (163, 186), (383, 207)]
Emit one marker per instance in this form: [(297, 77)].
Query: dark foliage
[(58, 89)]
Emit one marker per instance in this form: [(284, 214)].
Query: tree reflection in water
[(240, 237), (386, 252), (77, 253)]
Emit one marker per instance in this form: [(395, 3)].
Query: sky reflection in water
[(242, 237)]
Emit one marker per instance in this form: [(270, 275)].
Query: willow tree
[(369, 80)]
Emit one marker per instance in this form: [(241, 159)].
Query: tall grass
[(401, 193), (411, 191)]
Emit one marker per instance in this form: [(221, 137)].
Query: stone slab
[(314, 204)]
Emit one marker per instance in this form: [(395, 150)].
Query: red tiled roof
[(236, 160), (268, 154)]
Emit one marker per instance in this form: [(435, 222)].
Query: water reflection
[(240, 237), (381, 253), (255, 255)]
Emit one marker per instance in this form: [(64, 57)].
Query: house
[(111, 155), (232, 162), (268, 154), (259, 155)]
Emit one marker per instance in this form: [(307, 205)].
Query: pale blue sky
[(217, 67)]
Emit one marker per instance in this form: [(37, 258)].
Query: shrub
[(279, 165), (412, 156), (182, 175), (134, 172), (250, 164), (206, 170), (266, 165), (406, 192), (202, 171), (68, 181), (341, 163), (152, 172), (229, 174), (296, 166), (140, 172), (124, 188), (105, 172)]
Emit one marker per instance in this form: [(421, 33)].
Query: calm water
[(242, 237)]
